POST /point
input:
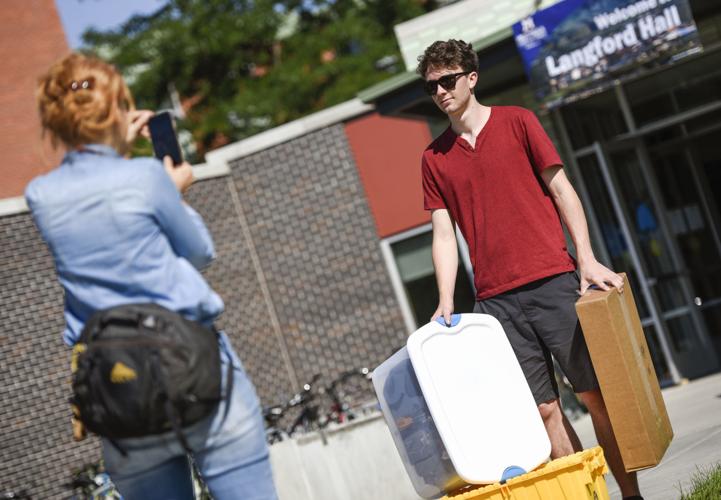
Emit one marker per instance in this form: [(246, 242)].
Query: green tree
[(238, 67)]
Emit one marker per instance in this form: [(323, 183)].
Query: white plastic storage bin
[(420, 446), (464, 397)]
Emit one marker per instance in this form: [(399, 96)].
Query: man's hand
[(595, 273), (181, 175), (445, 309)]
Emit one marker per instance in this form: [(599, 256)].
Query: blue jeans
[(230, 451)]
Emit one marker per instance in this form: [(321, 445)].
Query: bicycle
[(91, 482), (272, 415), (347, 397), (352, 395), (200, 488), (311, 416), (302, 410)]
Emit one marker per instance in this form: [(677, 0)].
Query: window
[(410, 263)]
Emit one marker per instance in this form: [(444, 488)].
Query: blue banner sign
[(578, 47)]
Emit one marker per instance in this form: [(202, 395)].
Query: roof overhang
[(499, 66)]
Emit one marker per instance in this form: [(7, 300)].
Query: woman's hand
[(137, 125), (181, 175)]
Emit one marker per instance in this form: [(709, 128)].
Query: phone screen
[(162, 134)]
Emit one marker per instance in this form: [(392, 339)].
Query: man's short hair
[(449, 54)]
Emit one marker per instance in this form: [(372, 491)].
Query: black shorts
[(540, 320)]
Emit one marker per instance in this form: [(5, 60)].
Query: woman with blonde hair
[(120, 233)]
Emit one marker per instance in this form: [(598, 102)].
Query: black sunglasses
[(448, 82)]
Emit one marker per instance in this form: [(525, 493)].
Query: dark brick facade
[(37, 452), (234, 277), (319, 251), (317, 254)]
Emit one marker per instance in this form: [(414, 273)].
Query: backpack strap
[(170, 410), (229, 380), (117, 446), (177, 428)]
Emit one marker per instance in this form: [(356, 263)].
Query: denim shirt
[(119, 233)]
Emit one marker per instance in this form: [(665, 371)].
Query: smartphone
[(164, 138)]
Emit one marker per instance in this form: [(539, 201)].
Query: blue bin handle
[(511, 472), (455, 319)]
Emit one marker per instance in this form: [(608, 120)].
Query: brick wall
[(235, 278), (312, 262), (36, 448), (318, 248)]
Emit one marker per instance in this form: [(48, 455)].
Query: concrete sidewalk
[(695, 412)]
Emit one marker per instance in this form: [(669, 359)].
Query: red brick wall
[(388, 154), (31, 38)]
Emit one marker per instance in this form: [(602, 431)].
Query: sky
[(79, 15)]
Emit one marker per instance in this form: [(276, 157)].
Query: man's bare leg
[(564, 440), (627, 481)]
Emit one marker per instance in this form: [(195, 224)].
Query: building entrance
[(647, 161), (688, 169)]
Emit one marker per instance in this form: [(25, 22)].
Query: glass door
[(687, 165), (632, 223), (614, 248)]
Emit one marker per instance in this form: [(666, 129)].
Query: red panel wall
[(31, 38), (388, 154)]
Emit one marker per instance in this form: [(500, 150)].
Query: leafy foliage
[(241, 66)]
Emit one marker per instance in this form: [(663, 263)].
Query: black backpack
[(141, 369)]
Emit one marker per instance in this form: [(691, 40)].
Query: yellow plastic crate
[(575, 477)]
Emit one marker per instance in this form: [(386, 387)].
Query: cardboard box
[(626, 375)]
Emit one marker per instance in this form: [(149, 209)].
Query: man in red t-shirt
[(495, 173)]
